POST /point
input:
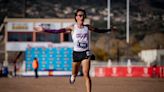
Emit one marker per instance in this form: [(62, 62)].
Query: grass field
[(61, 84)]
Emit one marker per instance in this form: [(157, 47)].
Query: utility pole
[(127, 21), (127, 31), (108, 19)]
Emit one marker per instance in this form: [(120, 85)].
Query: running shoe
[(72, 79)]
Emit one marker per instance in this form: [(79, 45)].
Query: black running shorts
[(79, 56)]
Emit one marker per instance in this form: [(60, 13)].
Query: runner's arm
[(62, 30), (98, 30)]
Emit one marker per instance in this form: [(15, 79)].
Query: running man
[(81, 52)]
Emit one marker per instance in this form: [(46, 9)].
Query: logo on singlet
[(82, 40)]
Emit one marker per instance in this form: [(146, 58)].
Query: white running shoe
[(72, 79)]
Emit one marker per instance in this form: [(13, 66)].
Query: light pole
[(108, 22), (108, 6), (127, 21), (127, 31)]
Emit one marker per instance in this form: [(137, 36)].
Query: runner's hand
[(38, 29)]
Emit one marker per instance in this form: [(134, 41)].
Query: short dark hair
[(82, 10)]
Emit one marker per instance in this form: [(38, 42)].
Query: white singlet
[(80, 38)]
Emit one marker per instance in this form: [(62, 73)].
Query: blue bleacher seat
[(58, 59)]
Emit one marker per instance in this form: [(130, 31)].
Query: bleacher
[(50, 58)]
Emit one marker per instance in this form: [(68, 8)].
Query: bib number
[(82, 45)]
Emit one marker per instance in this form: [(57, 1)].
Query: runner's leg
[(75, 68), (86, 69)]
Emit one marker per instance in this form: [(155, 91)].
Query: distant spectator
[(35, 65), (0, 72), (15, 67)]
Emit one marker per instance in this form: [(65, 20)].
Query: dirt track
[(61, 84)]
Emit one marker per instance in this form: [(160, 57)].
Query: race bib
[(82, 45)]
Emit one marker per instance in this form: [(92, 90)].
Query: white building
[(153, 56)]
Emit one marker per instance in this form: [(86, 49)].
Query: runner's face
[(80, 17)]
